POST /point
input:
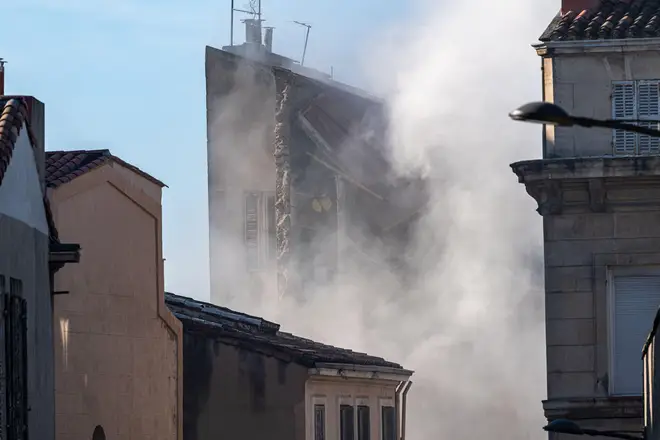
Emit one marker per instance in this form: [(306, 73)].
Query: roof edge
[(138, 171), (364, 368), (586, 168), (621, 45)]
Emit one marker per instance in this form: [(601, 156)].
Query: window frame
[(317, 401), (612, 273), (387, 403), (362, 403), (349, 404), (266, 247), (635, 118)]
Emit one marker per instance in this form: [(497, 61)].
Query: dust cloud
[(471, 324)]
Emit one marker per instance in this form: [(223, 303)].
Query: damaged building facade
[(599, 194), (299, 180)]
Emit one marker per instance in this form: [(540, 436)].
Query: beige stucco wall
[(117, 348), (581, 84), (334, 391)]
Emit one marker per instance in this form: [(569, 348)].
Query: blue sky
[(128, 75)]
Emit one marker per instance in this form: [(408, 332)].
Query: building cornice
[(587, 168), (352, 371), (589, 183), (593, 408), (627, 45)]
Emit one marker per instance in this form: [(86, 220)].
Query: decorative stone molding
[(593, 408), (596, 184)]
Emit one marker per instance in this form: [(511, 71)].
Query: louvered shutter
[(648, 98), (636, 300), (623, 108), (252, 230)]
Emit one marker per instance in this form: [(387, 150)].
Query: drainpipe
[(404, 393), (397, 404)]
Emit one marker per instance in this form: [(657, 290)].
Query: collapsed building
[(300, 180)]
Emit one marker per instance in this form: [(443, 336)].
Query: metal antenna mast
[(255, 10), (308, 26)]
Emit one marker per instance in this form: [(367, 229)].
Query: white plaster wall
[(333, 392), (20, 193), (581, 84)]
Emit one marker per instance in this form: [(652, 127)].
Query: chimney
[(577, 5), (2, 76), (268, 39), (252, 31)]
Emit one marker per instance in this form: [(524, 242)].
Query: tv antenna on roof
[(254, 7), (308, 26)]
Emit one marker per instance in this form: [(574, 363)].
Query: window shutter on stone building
[(636, 300), (624, 108), (648, 100), (635, 101)]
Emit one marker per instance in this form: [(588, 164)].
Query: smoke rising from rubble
[(471, 326)]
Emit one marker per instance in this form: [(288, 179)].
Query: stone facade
[(599, 215)]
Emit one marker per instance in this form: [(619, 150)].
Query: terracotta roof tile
[(611, 19), (13, 114), (64, 166), (256, 333)]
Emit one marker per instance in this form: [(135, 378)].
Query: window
[(15, 287), (635, 300), (346, 422), (2, 285), (388, 423), (364, 429), (319, 422), (636, 101), (260, 239)]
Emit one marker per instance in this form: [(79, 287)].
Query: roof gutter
[(353, 371), (623, 45)]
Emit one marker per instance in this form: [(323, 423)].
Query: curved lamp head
[(542, 113), (563, 426)]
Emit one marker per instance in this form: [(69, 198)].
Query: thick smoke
[(471, 323)]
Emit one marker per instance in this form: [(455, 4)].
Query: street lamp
[(563, 426), (548, 113)]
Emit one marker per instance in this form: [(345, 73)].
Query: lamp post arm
[(611, 123), (614, 434)]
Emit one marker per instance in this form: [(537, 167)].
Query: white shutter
[(636, 300), (623, 108), (648, 98), (252, 230)]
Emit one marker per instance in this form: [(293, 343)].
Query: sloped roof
[(64, 166), (13, 114), (255, 333), (609, 19), (13, 118)]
